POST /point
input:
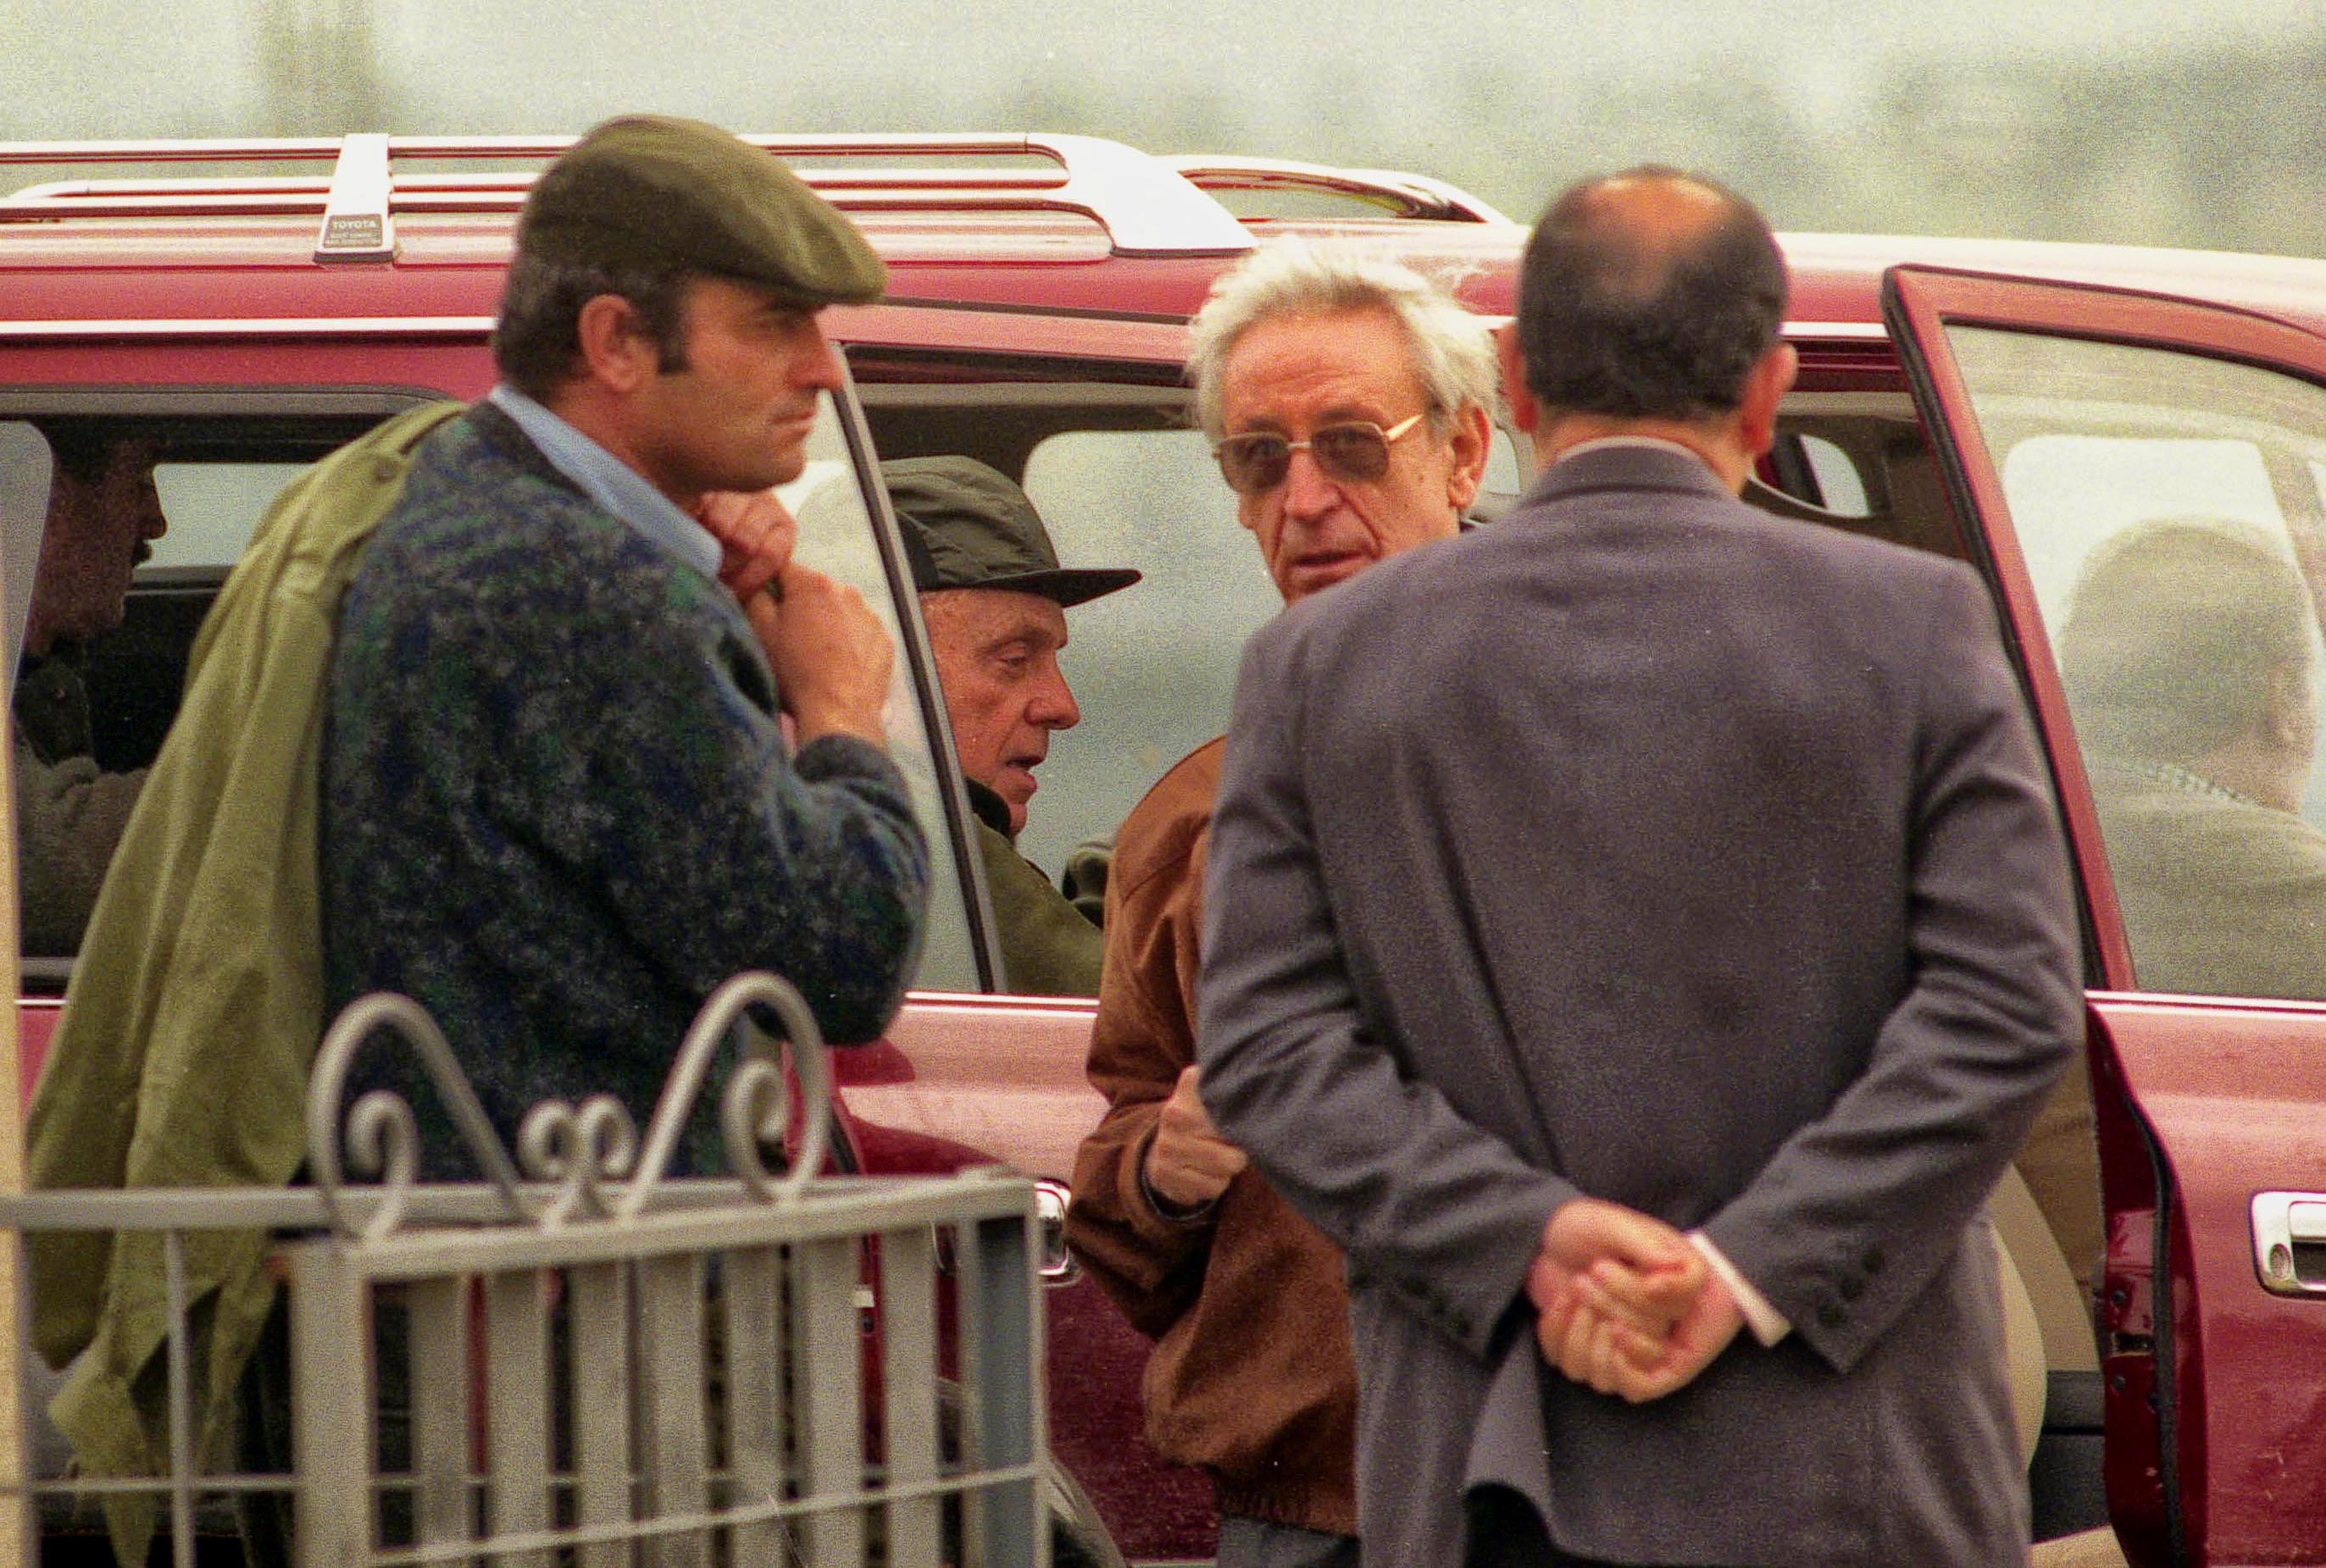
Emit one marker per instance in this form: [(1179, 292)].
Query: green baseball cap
[(966, 525), (654, 190)]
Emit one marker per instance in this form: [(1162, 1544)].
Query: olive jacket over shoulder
[(203, 971), (1250, 1379)]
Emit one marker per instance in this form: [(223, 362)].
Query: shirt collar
[(1601, 443), (611, 482), (989, 809)]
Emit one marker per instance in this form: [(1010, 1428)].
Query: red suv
[(2024, 407)]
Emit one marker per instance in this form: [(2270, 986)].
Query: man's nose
[(1053, 706), (1307, 493), (152, 522), (817, 364)]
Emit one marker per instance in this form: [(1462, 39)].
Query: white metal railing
[(605, 1365)]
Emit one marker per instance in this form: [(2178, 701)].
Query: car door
[(2142, 473)]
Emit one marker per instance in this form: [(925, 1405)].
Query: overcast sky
[(1512, 96), (98, 68)]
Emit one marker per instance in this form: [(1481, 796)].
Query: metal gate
[(583, 1359)]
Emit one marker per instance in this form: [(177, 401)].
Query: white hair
[(1453, 351)]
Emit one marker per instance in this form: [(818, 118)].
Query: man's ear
[(616, 349), (2292, 716), (1472, 439), (1524, 416), (1765, 385)]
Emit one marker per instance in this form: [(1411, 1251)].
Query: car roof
[(1055, 223)]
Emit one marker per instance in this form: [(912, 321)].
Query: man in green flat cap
[(559, 808), (531, 767), (994, 599)]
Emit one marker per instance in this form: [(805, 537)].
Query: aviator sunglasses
[(1356, 452)]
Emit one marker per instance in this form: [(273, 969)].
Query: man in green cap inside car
[(994, 599), (558, 806)]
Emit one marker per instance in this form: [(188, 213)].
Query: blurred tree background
[(2129, 121)]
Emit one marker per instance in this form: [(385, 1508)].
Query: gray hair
[(1453, 350), (2173, 631)]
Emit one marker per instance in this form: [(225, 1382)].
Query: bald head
[(1648, 294)]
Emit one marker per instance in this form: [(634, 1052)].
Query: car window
[(24, 467), (213, 507), (1152, 668), (836, 537), (101, 656), (1121, 477), (2169, 510), (92, 711)]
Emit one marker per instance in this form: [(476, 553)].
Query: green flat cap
[(655, 191), (966, 525)]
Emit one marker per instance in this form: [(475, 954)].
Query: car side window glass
[(1152, 668), (24, 470), (213, 508), (2169, 512), (96, 696), (836, 538)]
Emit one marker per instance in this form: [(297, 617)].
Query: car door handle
[(1056, 1265), (2289, 1231)]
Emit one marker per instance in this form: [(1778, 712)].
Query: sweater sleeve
[(1150, 1266)]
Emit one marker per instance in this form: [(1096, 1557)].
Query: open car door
[(2139, 473)]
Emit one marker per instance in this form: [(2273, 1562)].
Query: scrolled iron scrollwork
[(752, 1118), (584, 1149), (381, 1132)]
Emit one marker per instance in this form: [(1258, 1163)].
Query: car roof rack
[(1144, 205), (1402, 194)]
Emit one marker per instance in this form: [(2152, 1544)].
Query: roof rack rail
[(1406, 195), (1146, 208)]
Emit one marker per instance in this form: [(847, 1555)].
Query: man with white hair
[(1349, 400)]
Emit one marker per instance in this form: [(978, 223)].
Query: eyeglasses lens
[(1354, 453)]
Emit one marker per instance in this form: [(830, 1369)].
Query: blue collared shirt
[(611, 482)]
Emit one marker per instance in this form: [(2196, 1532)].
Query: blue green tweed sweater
[(556, 808)]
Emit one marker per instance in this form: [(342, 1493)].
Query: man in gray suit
[(1637, 919)]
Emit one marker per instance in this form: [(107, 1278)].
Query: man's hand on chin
[(756, 535)]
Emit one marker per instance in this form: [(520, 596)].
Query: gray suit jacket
[(1646, 847)]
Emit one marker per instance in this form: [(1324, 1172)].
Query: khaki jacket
[(193, 1015)]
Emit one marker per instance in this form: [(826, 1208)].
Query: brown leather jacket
[(1252, 1376)]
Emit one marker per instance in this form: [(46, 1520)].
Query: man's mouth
[(1331, 564)]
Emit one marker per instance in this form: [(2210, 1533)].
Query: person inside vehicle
[(2200, 730), (994, 599), (1350, 400), (104, 514)]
